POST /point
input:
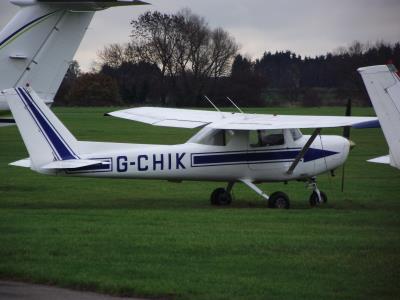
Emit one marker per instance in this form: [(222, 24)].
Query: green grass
[(159, 239)]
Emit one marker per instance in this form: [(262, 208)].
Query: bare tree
[(112, 55), (223, 50), (154, 40), (182, 46)]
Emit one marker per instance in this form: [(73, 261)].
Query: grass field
[(159, 239)]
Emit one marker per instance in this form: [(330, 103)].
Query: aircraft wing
[(260, 122), (170, 117), (105, 3), (190, 118)]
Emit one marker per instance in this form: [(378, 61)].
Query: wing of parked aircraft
[(171, 117), (189, 118), (105, 3)]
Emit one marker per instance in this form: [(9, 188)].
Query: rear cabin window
[(217, 137), (265, 138)]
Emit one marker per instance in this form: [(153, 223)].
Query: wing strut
[(251, 185), (303, 151)]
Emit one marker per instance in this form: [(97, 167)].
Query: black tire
[(279, 200), (314, 201), (220, 197)]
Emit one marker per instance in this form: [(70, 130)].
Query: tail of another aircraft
[(383, 86), (39, 43)]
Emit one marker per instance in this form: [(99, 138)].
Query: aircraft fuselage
[(193, 161)]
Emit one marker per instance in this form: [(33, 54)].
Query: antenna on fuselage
[(234, 104), (217, 109)]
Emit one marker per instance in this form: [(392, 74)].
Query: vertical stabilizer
[(39, 43), (45, 137), (383, 86)]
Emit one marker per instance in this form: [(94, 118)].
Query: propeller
[(346, 134)]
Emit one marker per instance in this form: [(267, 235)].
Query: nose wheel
[(317, 197), (316, 200)]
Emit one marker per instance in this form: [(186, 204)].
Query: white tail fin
[(45, 137), (39, 43), (383, 86)]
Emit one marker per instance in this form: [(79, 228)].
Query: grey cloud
[(308, 27)]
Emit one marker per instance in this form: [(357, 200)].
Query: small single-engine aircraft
[(230, 147), (37, 46), (383, 86)]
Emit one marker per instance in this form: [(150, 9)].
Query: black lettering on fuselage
[(142, 163), (179, 164), (159, 162), (122, 164)]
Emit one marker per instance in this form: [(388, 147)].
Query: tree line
[(176, 59)]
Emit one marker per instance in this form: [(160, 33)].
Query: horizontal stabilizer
[(381, 160), (61, 164), (6, 122), (24, 163), (72, 164)]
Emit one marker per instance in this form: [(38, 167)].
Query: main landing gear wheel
[(279, 200), (220, 197), (314, 199)]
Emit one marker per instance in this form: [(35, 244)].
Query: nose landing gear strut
[(317, 197)]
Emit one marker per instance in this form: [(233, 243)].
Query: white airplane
[(230, 147), (39, 43), (383, 87)]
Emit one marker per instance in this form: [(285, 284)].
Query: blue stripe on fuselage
[(272, 156), (106, 166), (59, 146)]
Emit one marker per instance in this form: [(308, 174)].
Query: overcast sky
[(308, 27)]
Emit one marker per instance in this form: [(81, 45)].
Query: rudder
[(45, 137), (383, 87)]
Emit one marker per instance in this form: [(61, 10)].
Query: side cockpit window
[(265, 138)]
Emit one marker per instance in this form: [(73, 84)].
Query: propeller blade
[(346, 134), (346, 130), (343, 178)]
